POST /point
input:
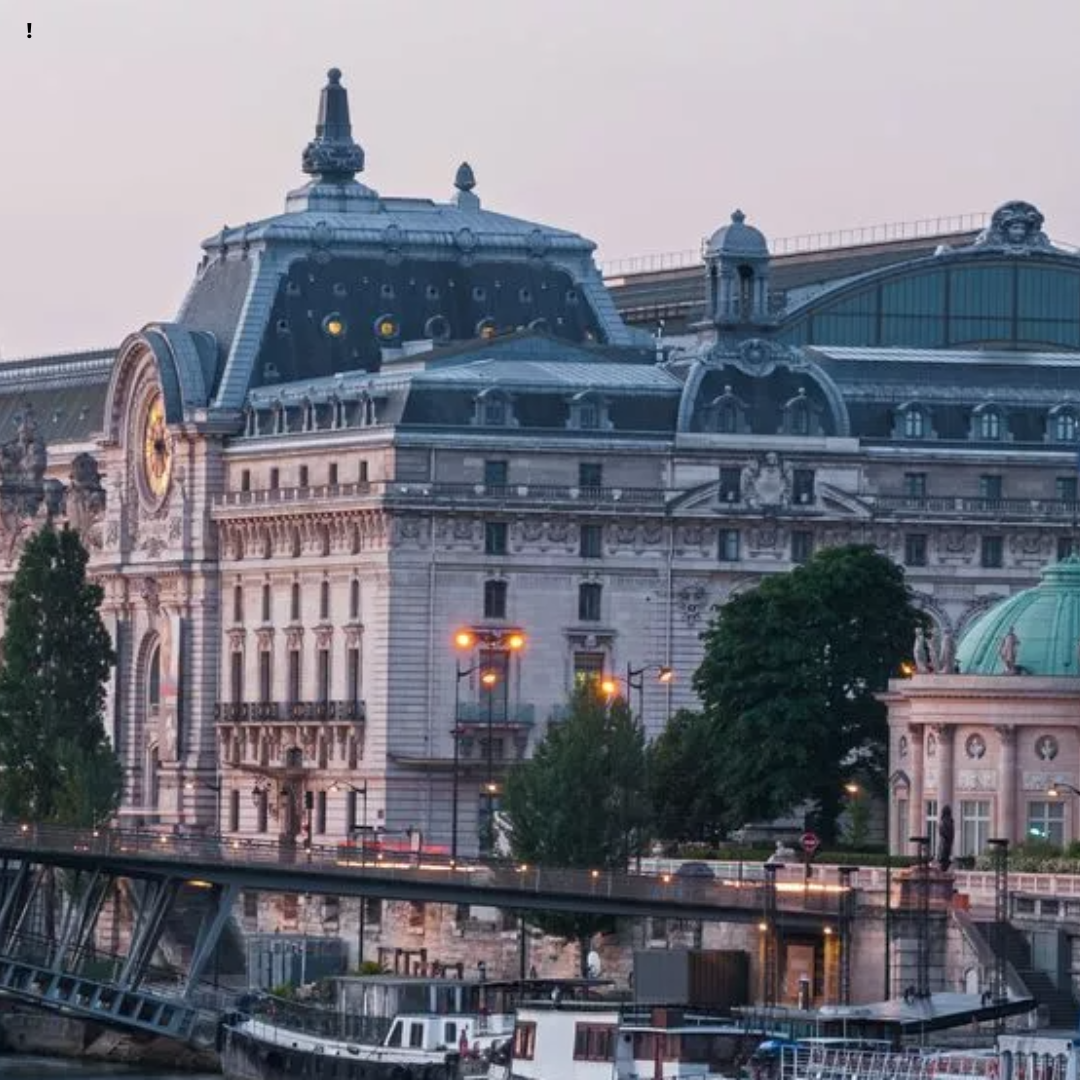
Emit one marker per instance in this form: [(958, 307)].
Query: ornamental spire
[(333, 155)]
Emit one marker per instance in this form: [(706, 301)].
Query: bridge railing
[(196, 855)]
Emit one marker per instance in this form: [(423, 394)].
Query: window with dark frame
[(590, 475), (730, 484), (294, 602), (275, 479), (495, 533), (236, 677), (324, 600), (730, 542), (802, 485), (992, 552), (354, 599), (802, 546), (234, 810), (591, 542), (323, 675), (238, 604), (352, 668), (496, 473), (245, 479), (294, 676), (1065, 488), (332, 474), (494, 599), (1066, 547), (915, 485), (320, 813), (303, 479), (266, 603), (990, 486), (590, 594), (915, 549)]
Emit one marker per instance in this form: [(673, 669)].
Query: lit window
[(1046, 821)]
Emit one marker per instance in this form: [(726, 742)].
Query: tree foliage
[(789, 679), (56, 760), (581, 800), (685, 764)]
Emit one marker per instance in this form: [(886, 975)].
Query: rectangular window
[(323, 675), (294, 601), (594, 1042), (494, 599), (915, 485), (802, 486), (266, 603), (802, 546), (238, 604), (303, 476), (915, 549), (362, 475), (729, 545), (294, 676), (320, 812), (589, 596), (588, 668), (351, 822), (234, 810), (495, 538), (494, 696), (591, 542), (324, 600), (1046, 821), (245, 479), (992, 552), (236, 677), (1065, 547), (590, 475), (352, 665), (930, 824), (331, 474), (974, 826), (524, 1040), (730, 490), (496, 473), (1065, 486), (262, 807), (990, 486), (275, 479), (265, 676)]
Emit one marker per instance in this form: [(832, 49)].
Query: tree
[(789, 680), (580, 801), (685, 765), (56, 760)]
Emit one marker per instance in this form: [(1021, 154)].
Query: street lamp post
[(635, 681), (512, 641)]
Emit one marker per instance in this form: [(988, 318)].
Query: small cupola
[(737, 269)]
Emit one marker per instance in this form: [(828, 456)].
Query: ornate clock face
[(157, 448)]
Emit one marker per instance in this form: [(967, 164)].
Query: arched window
[(990, 425), (914, 424), (153, 680), (1065, 426)]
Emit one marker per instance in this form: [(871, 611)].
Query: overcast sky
[(132, 129)]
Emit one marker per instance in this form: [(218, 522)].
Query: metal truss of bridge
[(54, 883)]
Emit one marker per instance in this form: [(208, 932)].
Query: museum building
[(379, 423)]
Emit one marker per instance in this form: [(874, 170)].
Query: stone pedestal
[(908, 889)]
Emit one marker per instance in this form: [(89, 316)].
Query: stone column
[(917, 798), (946, 765), (1005, 823)]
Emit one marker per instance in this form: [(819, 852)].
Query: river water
[(17, 1067)]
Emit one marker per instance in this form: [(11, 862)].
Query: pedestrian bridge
[(54, 883)]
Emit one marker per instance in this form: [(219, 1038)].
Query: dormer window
[(588, 412), (914, 424), (1062, 424), (492, 408), (988, 424), (912, 421)]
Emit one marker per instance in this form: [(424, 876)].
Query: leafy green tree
[(580, 801), (790, 678), (685, 766), (56, 761)]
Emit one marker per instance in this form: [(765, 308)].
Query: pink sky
[(132, 129)]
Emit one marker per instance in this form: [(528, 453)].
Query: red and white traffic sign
[(810, 842)]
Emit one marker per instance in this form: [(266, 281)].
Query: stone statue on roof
[(1009, 650), (921, 651), (946, 653), (1015, 227)]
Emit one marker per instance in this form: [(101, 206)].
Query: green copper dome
[(1045, 621)]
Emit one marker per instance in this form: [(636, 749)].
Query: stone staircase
[(1057, 1004)]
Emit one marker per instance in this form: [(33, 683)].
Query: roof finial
[(333, 155), (464, 178), (464, 181)]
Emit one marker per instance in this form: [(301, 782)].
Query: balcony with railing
[(473, 717), (952, 506), (288, 712), (397, 492)]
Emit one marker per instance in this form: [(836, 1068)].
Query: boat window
[(394, 1038), (524, 1040), (416, 1036), (594, 1042), (449, 1033)]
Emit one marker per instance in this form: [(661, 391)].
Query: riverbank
[(28, 1031)]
